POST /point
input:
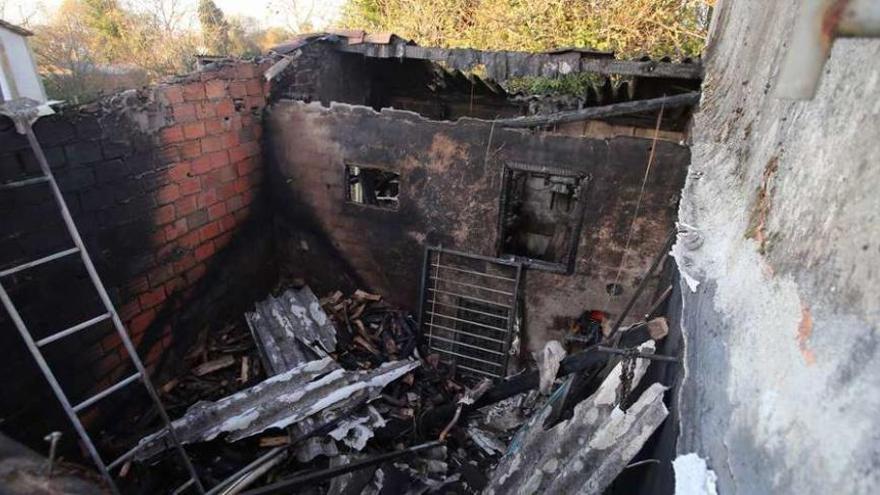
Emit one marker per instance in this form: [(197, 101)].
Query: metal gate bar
[(468, 308)]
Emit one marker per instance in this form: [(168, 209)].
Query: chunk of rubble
[(585, 453), (291, 329)]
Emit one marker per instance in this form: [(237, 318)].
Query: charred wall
[(164, 185), (451, 182)]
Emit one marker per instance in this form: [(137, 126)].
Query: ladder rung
[(72, 330), (182, 488), (31, 264), (24, 182), (100, 395), (128, 455)]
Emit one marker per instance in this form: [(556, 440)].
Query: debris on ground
[(334, 395)]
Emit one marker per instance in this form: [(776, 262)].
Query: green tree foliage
[(628, 27), (215, 28)]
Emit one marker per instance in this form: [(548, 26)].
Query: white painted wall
[(18, 71)]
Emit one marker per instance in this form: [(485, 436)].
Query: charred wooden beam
[(603, 112)]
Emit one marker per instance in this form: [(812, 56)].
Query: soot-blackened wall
[(451, 182), (165, 187)]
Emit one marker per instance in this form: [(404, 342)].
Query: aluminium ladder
[(23, 112)]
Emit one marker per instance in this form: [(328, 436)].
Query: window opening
[(372, 186), (541, 216)]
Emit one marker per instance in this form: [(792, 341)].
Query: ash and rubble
[(315, 386)]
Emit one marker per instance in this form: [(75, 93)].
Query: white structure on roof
[(18, 71)]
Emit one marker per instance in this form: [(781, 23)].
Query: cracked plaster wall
[(782, 368)]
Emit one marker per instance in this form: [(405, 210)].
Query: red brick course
[(211, 146)]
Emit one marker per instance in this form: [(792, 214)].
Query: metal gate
[(468, 308)]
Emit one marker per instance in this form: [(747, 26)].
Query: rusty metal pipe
[(819, 23)]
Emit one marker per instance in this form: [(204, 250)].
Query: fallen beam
[(606, 111)]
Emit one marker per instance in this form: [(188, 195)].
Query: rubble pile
[(313, 384), (336, 395)]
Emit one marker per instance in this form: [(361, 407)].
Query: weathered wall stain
[(450, 195)]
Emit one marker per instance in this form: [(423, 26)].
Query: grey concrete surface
[(782, 385)]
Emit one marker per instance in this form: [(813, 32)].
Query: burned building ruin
[(361, 265)]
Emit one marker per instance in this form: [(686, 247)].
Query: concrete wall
[(450, 195), (164, 185), (783, 371)]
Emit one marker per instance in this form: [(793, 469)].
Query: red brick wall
[(211, 142), (165, 186)]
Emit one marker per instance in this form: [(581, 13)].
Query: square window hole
[(372, 186)]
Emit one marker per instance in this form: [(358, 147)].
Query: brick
[(141, 322), (209, 231), (152, 298), (158, 276), (243, 151), (215, 89), (216, 211), (195, 273), (213, 143), (190, 186), (196, 219), (246, 166), (174, 285), (245, 70), (231, 139), (218, 159), (179, 171), (112, 341), (228, 223), (137, 285), (171, 94), (243, 184), (178, 228), (168, 194), (233, 203), (201, 165), (254, 87), (194, 130), (237, 89), (128, 310), (255, 102), (204, 251), (205, 110), (215, 126), (227, 190), (206, 198), (169, 154), (83, 152), (190, 149), (157, 238), (190, 240), (184, 112), (222, 240), (186, 262), (194, 91), (186, 205), (164, 214), (226, 174), (225, 108)]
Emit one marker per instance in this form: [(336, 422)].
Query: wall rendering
[(782, 362)]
